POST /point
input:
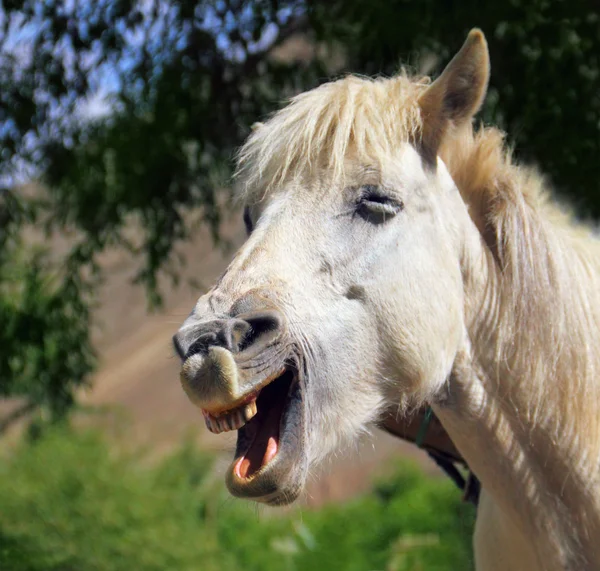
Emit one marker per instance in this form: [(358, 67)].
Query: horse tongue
[(265, 445), (263, 429), (261, 452), (271, 451)]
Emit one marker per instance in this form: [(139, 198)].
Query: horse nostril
[(264, 322), (202, 344), (250, 330), (187, 343), (263, 327), (233, 334)]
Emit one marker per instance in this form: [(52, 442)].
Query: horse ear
[(457, 94)]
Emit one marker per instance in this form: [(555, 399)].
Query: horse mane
[(546, 315), (547, 311), (318, 128)]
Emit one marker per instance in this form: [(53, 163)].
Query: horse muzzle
[(243, 375)]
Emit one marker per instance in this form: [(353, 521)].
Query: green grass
[(69, 503)]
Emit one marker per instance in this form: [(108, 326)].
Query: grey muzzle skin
[(227, 361)]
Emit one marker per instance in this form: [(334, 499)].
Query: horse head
[(348, 296)]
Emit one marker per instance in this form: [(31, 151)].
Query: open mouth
[(270, 438), (259, 439)]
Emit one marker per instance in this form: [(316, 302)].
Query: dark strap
[(448, 466), (470, 486), (426, 431), (472, 489)]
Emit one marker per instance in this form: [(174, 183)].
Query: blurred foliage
[(44, 337), (45, 352), (70, 503), (183, 82), (130, 112)]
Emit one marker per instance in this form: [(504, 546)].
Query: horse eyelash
[(373, 193), (248, 221)]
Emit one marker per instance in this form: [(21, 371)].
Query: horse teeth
[(232, 420), (212, 424), (237, 421), (250, 410)]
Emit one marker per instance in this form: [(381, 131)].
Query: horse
[(398, 257)]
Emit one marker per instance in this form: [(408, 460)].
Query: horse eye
[(248, 221), (375, 206)]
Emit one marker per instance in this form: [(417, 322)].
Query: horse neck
[(542, 479)]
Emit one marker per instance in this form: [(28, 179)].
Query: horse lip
[(249, 396), (281, 481), (267, 485), (216, 381)]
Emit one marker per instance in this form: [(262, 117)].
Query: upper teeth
[(230, 420)]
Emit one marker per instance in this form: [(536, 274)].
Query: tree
[(184, 81), (44, 335)]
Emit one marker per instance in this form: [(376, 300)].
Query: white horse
[(399, 257)]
